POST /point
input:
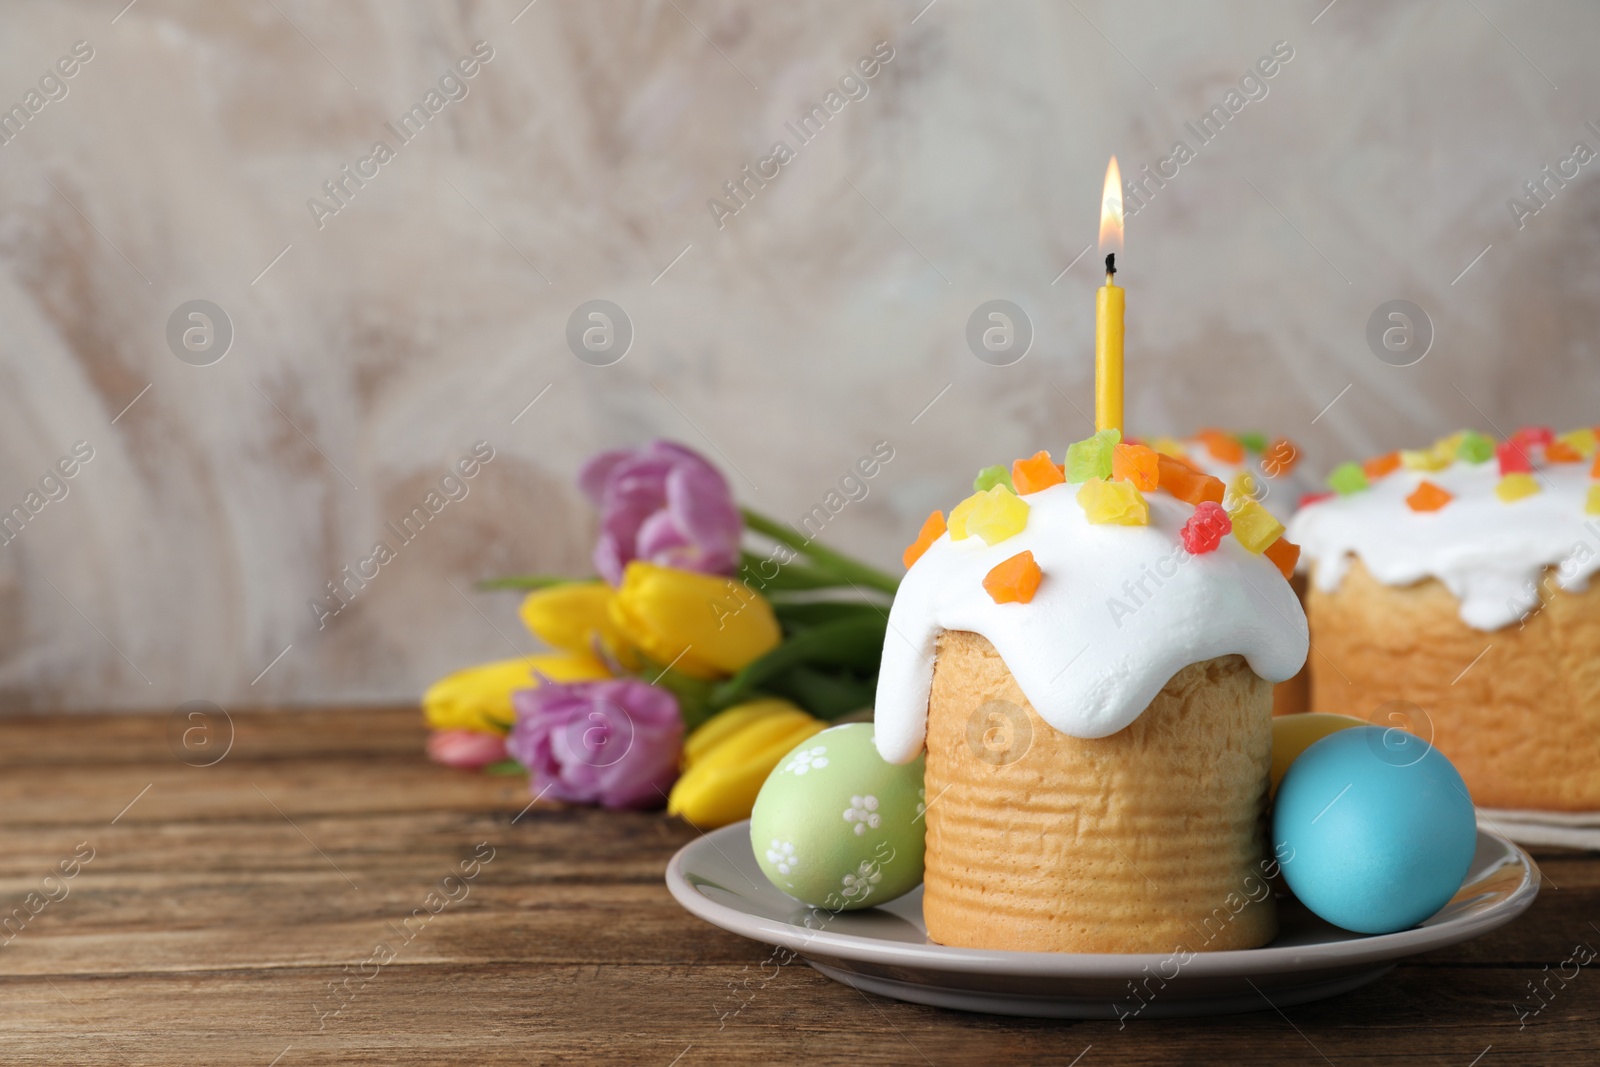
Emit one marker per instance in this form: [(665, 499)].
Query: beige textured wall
[(827, 314)]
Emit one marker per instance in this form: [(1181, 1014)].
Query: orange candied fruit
[(932, 530), (1224, 446), (1378, 466), (1014, 581), (1594, 472), (1429, 497), (1137, 464), (1035, 473), (1284, 554), (1561, 452), (1186, 483), (1279, 458)]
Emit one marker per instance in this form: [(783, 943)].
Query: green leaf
[(825, 559), (505, 767), (823, 694), (803, 614), (790, 576), (852, 643), (693, 694)]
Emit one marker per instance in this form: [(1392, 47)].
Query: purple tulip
[(664, 504), (614, 743)]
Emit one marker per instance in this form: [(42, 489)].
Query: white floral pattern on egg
[(847, 837)]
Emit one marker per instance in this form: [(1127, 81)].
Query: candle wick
[(1111, 264)]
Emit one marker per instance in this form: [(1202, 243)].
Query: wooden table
[(275, 907)]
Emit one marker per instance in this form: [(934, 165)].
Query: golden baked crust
[(1522, 725), (1294, 696), (1145, 841)]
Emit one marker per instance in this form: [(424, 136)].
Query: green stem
[(824, 558), (791, 577), (529, 581)]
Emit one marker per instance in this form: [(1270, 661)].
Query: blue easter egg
[(1374, 829)]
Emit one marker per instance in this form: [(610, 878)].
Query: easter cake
[(1085, 654), (1267, 471), (1456, 578)]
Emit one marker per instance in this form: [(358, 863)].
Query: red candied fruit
[(1206, 528), (1315, 498), (1513, 456), (1534, 435)]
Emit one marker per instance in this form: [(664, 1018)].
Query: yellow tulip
[(730, 756), (479, 698), (707, 626), (571, 615)]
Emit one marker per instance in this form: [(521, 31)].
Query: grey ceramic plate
[(886, 950)]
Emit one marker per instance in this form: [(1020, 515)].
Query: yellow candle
[(1109, 306), (1108, 311)]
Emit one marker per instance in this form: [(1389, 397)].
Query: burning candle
[(1109, 306)]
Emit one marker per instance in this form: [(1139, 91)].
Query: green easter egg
[(837, 827)]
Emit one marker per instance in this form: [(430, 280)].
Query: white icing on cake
[(1091, 650), (1279, 494), (1489, 553)]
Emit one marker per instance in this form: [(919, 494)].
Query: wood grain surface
[(230, 915)]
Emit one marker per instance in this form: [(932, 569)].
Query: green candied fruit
[(1475, 447), (990, 477), (1091, 457), (1253, 442), (1347, 478)]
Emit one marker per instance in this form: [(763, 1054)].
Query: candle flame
[(1111, 210)]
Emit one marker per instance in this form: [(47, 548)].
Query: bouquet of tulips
[(712, 641)]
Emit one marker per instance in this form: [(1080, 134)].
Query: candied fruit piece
[(1315, 498), (1594, 471), (1429, 497), (1378, 466), (1116, 503), (1206, 528), (1582, 441), (1534, 435), (1592, 505), (997, 515), (1186, 483), (1279, 458), (1013, 581), (1243, 487), (1347, 478), (1284, 554), (990, 477), (1136, 464), (1224, 447), (1091, 457), (1561, 452), (1424, 459), (1167, 446), (1475, 448), (1035, 473), (1254, 526), (959, 515), (1516, 486), (1253, 442), (1514, 458), (932, 530)]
